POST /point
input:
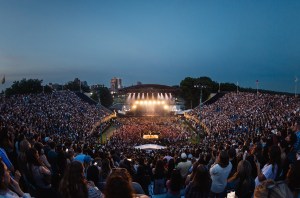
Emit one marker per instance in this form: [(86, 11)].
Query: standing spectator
[(190, 177), (92, 175), (171, 166), (6, 181), (270, 170), (52, 158), (174, 185), (293, 176), (242, 179), (6, 145), (159, 175), (141, 175), (200, 185), (119, 185), (296, 129), (219, 173), (184, 166), (38, 174), (105, 170), (40, 148), (74, 184)]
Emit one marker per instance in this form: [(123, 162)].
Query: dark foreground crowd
[(252, 149)]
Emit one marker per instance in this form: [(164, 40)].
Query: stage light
[(163, 102), (166, 107), (158, 102), (136, 102), (134, 106)]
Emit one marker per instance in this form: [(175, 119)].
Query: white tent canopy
[(150, 147)]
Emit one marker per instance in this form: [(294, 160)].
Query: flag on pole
[(3, 80)]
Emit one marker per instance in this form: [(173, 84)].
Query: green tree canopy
[(75, 86), (191, 93), (106, 98), (27, 86)]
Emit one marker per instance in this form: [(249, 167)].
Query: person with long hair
[(92, 174), (105, 170), (271, 169), (159, 175), (190, 177), (40, 148), (74, 184), (119, 185), (293, 176), (174, 184), (36, 171), (219, 173), (142, 177), (200, 184), (171, 166), (6, 181), (243, 182)]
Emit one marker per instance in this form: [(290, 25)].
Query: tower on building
[(115, 84)]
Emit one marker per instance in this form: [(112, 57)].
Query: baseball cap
[(47, 139), (183, 156)]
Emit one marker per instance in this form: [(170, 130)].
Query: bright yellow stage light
[(134, 106)]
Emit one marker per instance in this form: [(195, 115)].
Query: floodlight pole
[(296, 81), (201, 87)]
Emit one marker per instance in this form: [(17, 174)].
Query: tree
[(95, 96), (191, 94), (75, 86), (25, 87), (106, 98)]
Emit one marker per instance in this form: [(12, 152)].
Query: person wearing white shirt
[(219, 173), (270, 170)]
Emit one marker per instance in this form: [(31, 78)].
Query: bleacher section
[(214, 98), (85, 98)]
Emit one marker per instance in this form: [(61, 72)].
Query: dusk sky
[(156, 42)]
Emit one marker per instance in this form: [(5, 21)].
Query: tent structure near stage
[(150, 147)]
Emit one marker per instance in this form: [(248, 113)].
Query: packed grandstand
[(58, 145)]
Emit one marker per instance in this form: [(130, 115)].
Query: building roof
[(149, 88)]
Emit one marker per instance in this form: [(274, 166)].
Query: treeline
[(34, 86), (191, 89)]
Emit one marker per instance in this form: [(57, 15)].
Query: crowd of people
[(168, 129), (48, 149)]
